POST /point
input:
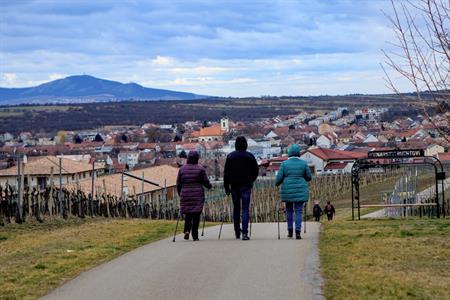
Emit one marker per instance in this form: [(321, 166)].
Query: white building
[(6, 137), (434, 150), (324, 141), (370, 138), (130, 158), (260, 149), (330, 161), (44, 170)]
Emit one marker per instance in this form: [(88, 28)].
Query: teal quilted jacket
[(293, 176)]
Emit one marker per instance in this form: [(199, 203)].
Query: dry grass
[(386, 259), (35, 258)]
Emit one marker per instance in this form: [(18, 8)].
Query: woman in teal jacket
[(293, 176)]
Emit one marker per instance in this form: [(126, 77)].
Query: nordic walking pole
[(250, 218), (223, 219), (221, 224), (278, 218), (204, 219), (176, 226), (304, 227)]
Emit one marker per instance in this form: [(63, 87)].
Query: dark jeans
[(191, 223), (330, 217), (290, 207), (239, 194), (317, 218)]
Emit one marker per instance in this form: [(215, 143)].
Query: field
[(386, 259), (51, 118), (35, 258)]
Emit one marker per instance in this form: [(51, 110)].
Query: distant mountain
[(84, 89)]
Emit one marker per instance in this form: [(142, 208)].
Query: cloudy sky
[(223, 48)]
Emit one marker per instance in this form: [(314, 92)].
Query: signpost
[(397, 153)]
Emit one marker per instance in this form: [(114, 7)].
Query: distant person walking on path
[(190, 182), (241, 170), (293, 176), (317, 211), (329, 210)]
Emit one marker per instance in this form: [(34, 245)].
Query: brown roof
[(214, 130), (42, 166), (444, 157), (333, 154), (112, 183), (281, 131), (335, 166)]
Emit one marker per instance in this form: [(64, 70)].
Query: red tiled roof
[(444, 157), (335, 166), (143, 146), (281, 131), (333, 154), (214, 130)]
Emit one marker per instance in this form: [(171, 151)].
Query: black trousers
[(191, 223), (330, 217), (317, 218)]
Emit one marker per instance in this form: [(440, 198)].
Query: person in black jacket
[(329, 211), (241, 170), (317, 211)]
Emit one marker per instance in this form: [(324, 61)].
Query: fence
[(52, 202)]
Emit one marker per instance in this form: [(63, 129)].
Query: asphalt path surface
[(262, 268)]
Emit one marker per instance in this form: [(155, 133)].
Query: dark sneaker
[(297, 235), (196, 239), (186, 236), (245, 237), (290, 233)]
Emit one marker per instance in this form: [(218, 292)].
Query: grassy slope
[(385, 259), (35, 258)]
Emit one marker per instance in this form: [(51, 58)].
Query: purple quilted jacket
[(190, 182)]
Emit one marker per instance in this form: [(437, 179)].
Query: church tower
[(224, 124)]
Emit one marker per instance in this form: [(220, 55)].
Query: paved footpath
[(262, 268)]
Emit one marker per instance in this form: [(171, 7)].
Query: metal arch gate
[(396, 158)]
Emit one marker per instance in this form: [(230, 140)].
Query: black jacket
[(241, 169), (329, 209), (317, 211)]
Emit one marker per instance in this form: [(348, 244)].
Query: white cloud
[(162, 61), (55, 76), (9, 79)]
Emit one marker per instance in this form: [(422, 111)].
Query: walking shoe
[(290, 233), (297, 235), (186, 236), (196, 239), (245, 237)]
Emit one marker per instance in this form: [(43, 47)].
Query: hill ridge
[(86, 89)]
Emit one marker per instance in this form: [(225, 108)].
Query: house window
[(73, 177), (42, 182), (84, 174)]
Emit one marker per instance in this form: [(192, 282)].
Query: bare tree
[(421, 54)]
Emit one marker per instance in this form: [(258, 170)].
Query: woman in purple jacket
[(190, 182)]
